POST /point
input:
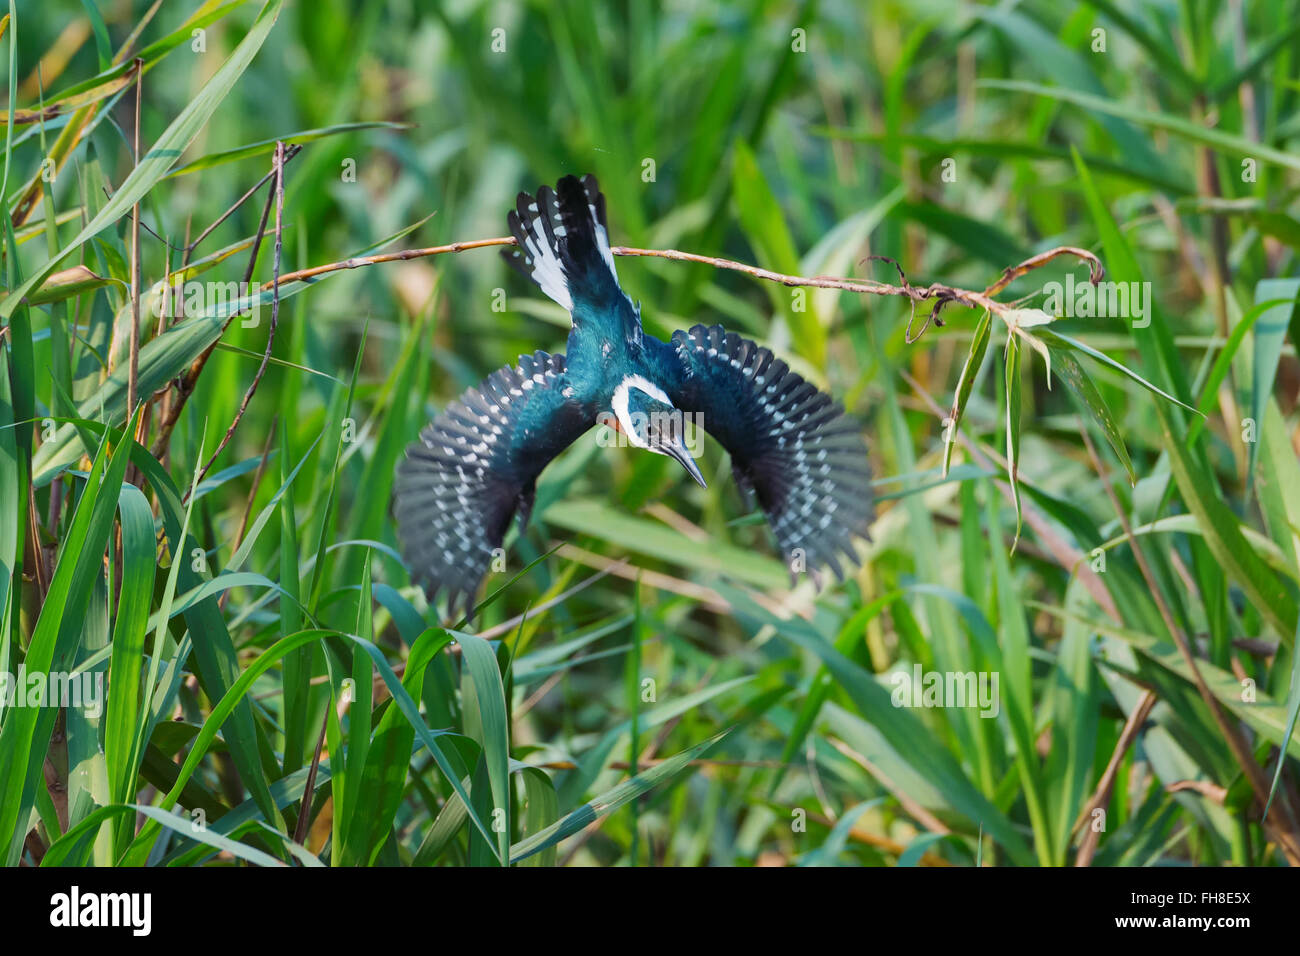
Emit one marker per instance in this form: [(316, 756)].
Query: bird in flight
[(474, 466)]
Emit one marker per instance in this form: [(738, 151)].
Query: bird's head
[(645, 414)]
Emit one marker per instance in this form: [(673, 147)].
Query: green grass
[(277, 691)]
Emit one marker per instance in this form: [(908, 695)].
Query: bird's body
[(475, 465)]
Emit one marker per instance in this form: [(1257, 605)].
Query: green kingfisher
[(474, 466)]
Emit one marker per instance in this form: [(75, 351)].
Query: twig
[(1101, 796), (309, 789), (1211, 791), (133, 362), (1095, 270), (943, 294), (185, 386), (248, 507), (289, 154), (547, 686), (917, 812), (275, 312), (357, 262), (937, 291)]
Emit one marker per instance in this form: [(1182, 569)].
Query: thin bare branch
[(1211, 791), (275, 312), (185, 386), (248, 506), (940, 293), (1095, 274), (309, 789), (289, 154), (1101, 796), (133, 362)]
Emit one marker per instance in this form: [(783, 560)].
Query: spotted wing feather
[(475, 465), (791, 446)]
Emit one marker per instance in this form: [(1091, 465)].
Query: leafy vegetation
[(1096, 510)]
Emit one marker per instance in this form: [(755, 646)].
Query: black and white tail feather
[(563, 246)]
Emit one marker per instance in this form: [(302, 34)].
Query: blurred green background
[(957, 138)]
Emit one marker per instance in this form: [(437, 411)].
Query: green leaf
[(1292, 711), (267, 146), (1264, 715), (1013, 428), (974, 359), (1166, 179), (184, 825), (1064, 341), (1223, 534), (1071, 69), (403, 701), (905, 733), (1166, 54), (377, 767), (1277, 484), (12, 478), (481, 663), (542, 810), (1223, 362), (124, 727), (1270, 336), (1083, 389), (655, 539)]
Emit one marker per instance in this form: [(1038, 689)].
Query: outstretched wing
[(475, 464), (790, 444)]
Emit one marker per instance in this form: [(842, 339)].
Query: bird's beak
[(678, 450)]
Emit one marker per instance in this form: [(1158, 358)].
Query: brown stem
[(1095, 270), (38, 554), (275, 315), (185, 386), (309, 789), (1211, 791), (1101, 796), (937, 291), (248, 506), (289, 154), (133, 362)]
